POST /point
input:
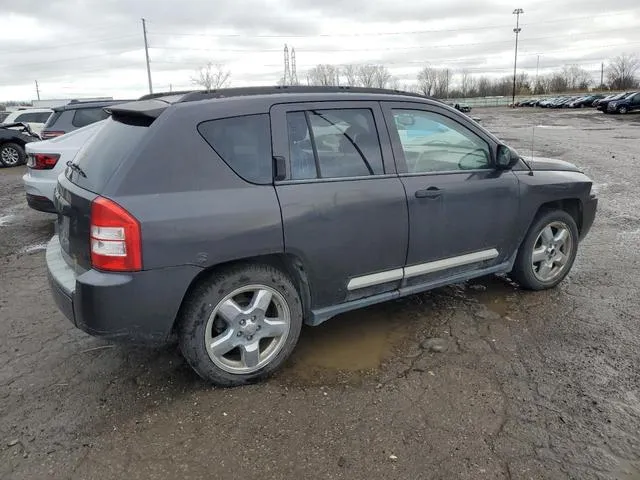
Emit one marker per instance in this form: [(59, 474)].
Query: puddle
[(6, 219), (354, 342), (34, 248), (495, 293)]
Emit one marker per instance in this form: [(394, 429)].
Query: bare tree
[(350, 73), (427, 80), (441, 86), (622, 72), (382, 77), (323, 74), (212, 77), (367, 75), (467, 83)]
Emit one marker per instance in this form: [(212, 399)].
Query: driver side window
[(434, 143)]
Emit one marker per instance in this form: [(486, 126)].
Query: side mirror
[(506, 158)]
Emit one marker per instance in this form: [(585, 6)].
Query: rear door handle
[(431, 192)]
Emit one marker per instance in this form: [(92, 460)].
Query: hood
[(541, 163)]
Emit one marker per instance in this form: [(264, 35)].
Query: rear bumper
[(42, 204), (40, 189), (588, 215), (138, 307)]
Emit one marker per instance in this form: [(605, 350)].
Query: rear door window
[(86, 116), (101, 155), (333, 144), (244, 143)]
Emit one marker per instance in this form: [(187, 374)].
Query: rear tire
[(547, 252), (239, 325), (12, 155)]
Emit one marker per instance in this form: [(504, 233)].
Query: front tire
[(622, 110), (239, 325), (547, 252), (12, 155)]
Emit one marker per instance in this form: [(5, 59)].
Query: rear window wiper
[(76, 168)]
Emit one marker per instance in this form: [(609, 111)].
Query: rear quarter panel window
[(244, 143)]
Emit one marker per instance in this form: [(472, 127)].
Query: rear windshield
[(86, 116), (102, 154)]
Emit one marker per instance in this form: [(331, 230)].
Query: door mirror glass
[(507, 157)]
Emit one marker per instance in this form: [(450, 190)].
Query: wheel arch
[(291, 265), (573, 206)]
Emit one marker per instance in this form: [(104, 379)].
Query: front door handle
[(431, 192)]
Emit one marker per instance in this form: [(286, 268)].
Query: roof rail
[(241, 91)]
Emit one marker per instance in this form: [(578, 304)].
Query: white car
[(34, 117), (48, 159)]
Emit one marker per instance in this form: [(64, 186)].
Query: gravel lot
[(475, 381)]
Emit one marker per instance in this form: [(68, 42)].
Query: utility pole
[(516, 30), (37, 90), (146, 52), (601, 75), (537, 67), (446, 93)]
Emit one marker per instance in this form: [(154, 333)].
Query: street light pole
[(516, 30)]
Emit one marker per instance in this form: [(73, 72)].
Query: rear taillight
[(115, 238), (42, 161), (51, 134)]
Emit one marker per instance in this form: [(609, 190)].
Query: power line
[(369, 34), (384, 49), (64, 45)]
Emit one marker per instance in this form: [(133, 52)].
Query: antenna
[(286, 80), (294, 73)]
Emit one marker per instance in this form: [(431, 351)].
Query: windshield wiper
[(76, 168)]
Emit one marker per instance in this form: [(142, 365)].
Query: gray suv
[(76, 114), (232, 217)]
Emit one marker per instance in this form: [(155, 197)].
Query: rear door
[(343, 206), (462, 210)]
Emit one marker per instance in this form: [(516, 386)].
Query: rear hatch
[(84, 180)]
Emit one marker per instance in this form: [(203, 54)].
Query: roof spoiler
[(138, 112)]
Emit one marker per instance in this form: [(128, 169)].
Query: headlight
[(595, 190)]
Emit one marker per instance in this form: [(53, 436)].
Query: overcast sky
[(77, 48)]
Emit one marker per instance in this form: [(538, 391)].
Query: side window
[(333, 144), (434, 143), (86, 116), (27, 118), (244, 143)]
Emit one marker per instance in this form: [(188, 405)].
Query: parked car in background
[(585, 101), (626, 104), (74, 115), (603, 104), (47, 159), (606, 97), (262, 224), (13, 138), (3, 115), (34, 117)]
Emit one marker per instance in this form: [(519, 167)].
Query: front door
[(462, 210), (343, 206)]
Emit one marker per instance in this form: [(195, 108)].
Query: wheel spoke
[(261, 301), (229, 310), (273, 327), (223, 343), (547, 235), (561, 237), (560, 259), (539, 254), (545, 269), (250, 354)]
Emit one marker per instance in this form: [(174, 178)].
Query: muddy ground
[(531, 385)]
